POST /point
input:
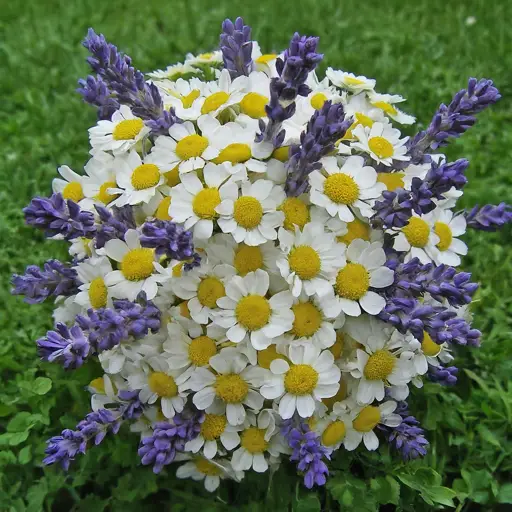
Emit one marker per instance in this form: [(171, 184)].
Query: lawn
[(424, 50)]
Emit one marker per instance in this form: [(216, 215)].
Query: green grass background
[(423, 50)]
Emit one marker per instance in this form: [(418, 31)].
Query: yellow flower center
[(428, 346), (207, 468), (340, 395), (296, 213), (317, 100), (172, 177), (341, 189), (304, 261), (205, 56), (247, 259), (352, 281), (127, 129), (231, 388), (349, 80), (356, 229), (214, 101), (444, 233), (253, 440), (137, 264), (201, 349), (387, 107), (191, 146), (145, 176), (364, 120), (253, 104), (213, 426), (98, 293), (103, 194), (266, 58), (205, 202), (162, 384), (235, 153), (189, 99), (392, 180), (379, 365), (307, 321), (267, 355), (337, 349), (417, 232), (381, 147), (98, 384), (210, 289), (73, 191), (162, 212), (334, 433), (367, 419), (282, 153), (177, 270), (253, 312), (301, 379), (248, 212), (184, 311)]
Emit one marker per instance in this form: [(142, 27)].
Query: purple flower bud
[(236, 47), (113, 225), (489, 217), (67, 346), (446, 376)]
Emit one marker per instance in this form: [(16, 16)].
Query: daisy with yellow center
[(71, 186), (257, 96), (340, 190), (93, 290), (200, 469), (310, 259), (334, 427), (136, 268), (104, 391), (299, 385), (214, 57), (365, 269), (184, 96), (228, 387), (120, 134), (426, 353), (252, 217), (387, 103), (382, 142), (100, 180), (350, 81), (246, 310)]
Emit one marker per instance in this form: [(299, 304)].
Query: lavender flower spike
[(446, 376), (236, 47), (95, 92), (325, 127), (489, 217), (113, 225)]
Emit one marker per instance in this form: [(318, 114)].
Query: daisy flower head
[(365, 269), (100, 181), (350, 81), (183, 96), (365, 419), (214, 57), (173, 72), (333, 427), (266, 63), (310, 259), (94, 293), (257, 96), (252, 216), (382, 142), (228, 386), (418, 238), (402, 178), (309, 376), (340, 190), (211, 472), (246, 310), (136, 268), (120, 134), (71, 185), (387, 102)]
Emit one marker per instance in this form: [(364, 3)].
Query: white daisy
[(120, 134), (342, 189), (310, 376), (365, 269), (333, 428), (172, 72), (418, 239), (382, 142), (253, 217), (100, 179), (403, 178), (427, 353), (214, 57), (94, 293), (71, 186), (349, 81), (246, 311), (257, 96), (182, 96), (387, 102), (211, 472)]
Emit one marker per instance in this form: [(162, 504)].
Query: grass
[(423, 50)]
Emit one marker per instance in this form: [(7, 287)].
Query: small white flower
[(71, 186), (172, 72), (334, 427), (350, 81), (100, 180), (94, 293), (214, 57), (387, 102), (211, 472), (418, 239)]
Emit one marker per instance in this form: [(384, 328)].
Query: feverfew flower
[(94, 293), (350, 81), (71, 186), (387, 102)]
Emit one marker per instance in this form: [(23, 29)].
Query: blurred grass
[(423, 50)]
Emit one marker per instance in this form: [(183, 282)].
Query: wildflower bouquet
[(261, 263)]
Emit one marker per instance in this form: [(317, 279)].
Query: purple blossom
[(236, 47), (307, 451), (161, 125), (489, 217), (113, 225), (95, 92), (394, 211), (326, 126), (171, 240), (54, 280), (168, 438), (55, 216), (446, 376), (68, 346)]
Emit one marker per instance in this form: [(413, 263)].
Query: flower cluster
[(261, 263)]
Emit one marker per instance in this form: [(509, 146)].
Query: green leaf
[(25, 455), (505, 494), (18, 438), (439, 494), (41, 385), (386, 490), (309, 504)]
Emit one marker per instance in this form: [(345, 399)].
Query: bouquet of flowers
[(261, 263)]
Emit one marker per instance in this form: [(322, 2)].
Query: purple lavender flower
[(308, 452), (325, 127), (58, 217), (489, 217), (236, 47), (131, 407), (169, 438), (161, 125), (446, 376), (95, 92), (56, 279), (66, 345), (64, 448), (113, 225), (394, 211), (171, 240)]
